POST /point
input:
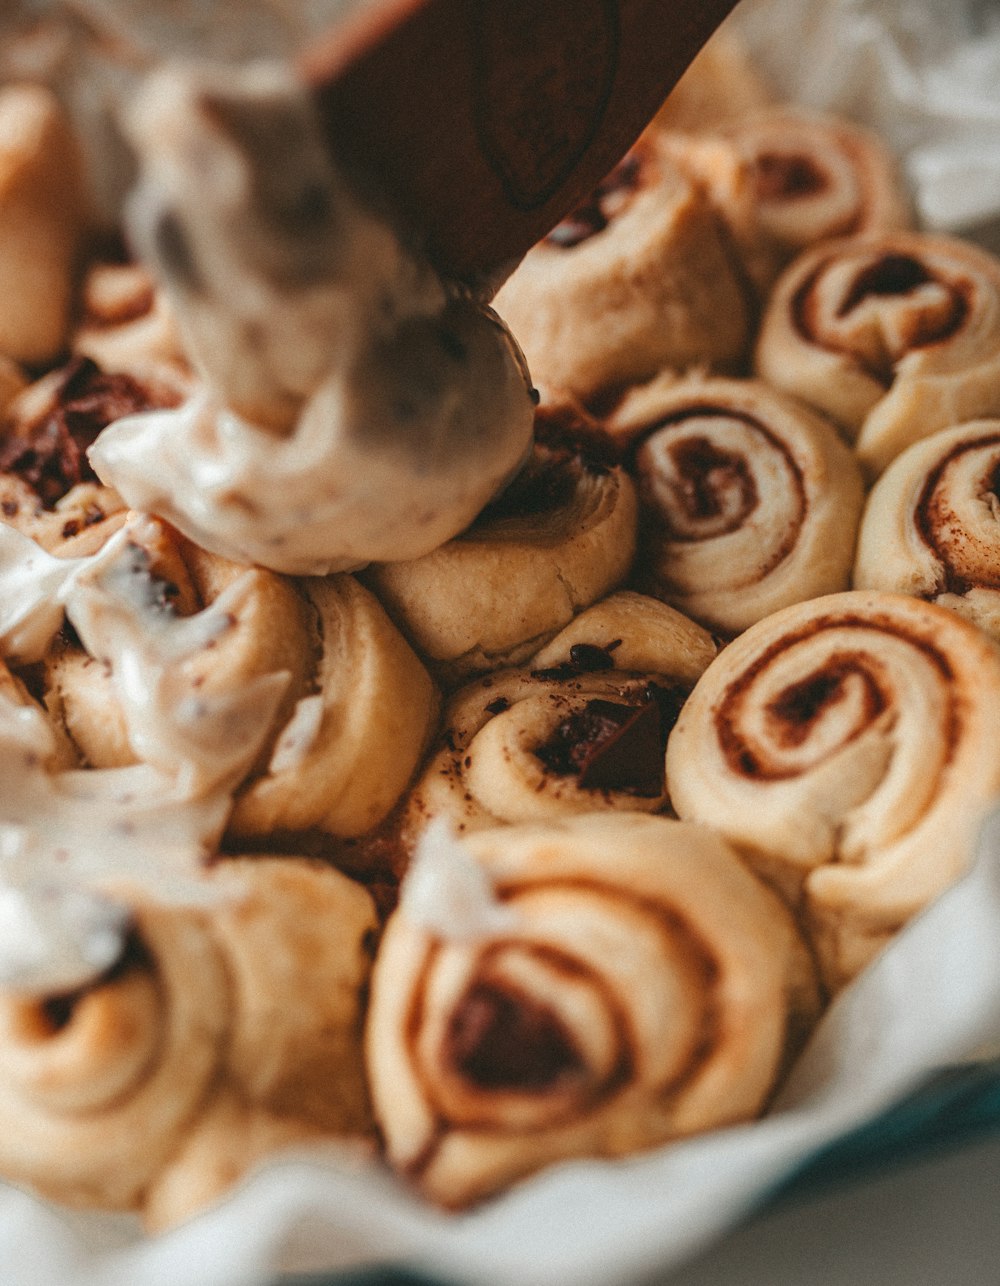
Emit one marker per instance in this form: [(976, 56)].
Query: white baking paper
[(926, 73)]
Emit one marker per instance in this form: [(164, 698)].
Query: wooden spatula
[(486, 121)]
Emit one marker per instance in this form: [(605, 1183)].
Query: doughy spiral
[(636, 983), (748, 500), (931, 526), (106, 1089), (582, 729), (812, 177), (848, 745), (98, 1085), (347, 732), (559, 537), (641, 277), (893, 337)]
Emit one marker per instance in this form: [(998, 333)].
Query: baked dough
[(252, 1000), (559, 537), (641, 277), (930, 527), (627, 982), (848, 746), (893, 336), (580, 728), (749, 501)]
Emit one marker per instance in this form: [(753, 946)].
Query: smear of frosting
[(203, 742), (448, 893)]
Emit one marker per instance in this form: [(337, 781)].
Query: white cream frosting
[(66, 836), (355, 408), (448, 893), (54, 939), (112, 601)]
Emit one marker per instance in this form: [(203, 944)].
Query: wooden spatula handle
[(486, 121)]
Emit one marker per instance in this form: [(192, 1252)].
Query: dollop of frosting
[(356, 408), (55, 939), (116, 608), (448, 893)]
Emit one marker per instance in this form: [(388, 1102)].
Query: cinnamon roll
[(177, 651), (587, 988), (48, 489), (930, 525), (298, 941), (354, 741), (894, 337), (640, 277), (108, 1083), (813, 176), (560, 536), (748, 500), (582, 728), (42, 215), (848, 746)]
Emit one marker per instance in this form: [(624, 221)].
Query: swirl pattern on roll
[(354, 705), (813, 176), (560, 536), (582, 728), (636, 984), (106, 1088), (930, 526), (848, 746), (894, 337), (748, 500), (640, 277)]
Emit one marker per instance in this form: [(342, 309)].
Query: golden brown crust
[(644, 987), (641, 278), (848, 746), (893, 336), (748, 500)]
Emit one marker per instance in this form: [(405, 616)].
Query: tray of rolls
[(495, 785)]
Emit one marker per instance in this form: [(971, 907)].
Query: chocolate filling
[(609, 745), (50, 455), (584, 658), (500, 1039)]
